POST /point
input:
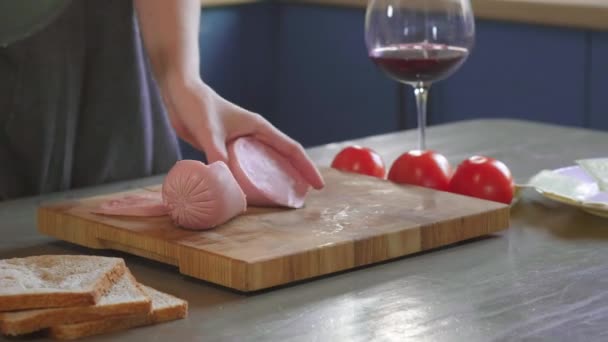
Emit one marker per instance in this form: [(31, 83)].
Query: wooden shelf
[(218, 3), (583, 14)]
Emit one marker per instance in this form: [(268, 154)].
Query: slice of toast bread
[(165, 308), (125, 297), (50, 281)]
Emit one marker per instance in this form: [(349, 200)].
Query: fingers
[(212, 145), (184, 134), (293, 151), (209, 133), (215, 149)]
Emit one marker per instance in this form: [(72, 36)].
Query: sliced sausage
[(201, 196), (266, 177), (148, 204)]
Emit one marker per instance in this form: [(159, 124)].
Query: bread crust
[(178, 309), (71, 298), (28, 321)]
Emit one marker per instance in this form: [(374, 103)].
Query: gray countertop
[(544, 279)]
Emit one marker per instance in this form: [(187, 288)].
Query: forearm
[(170, 33)]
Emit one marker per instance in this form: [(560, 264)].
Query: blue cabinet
[(305, 68), (236, 52), (237, 49), (219, 42), (598, 90), (327, 88), (517, 71), (219, 36)]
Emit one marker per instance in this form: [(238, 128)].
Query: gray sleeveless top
[(78, 105)]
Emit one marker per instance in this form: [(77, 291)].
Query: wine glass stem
[(421, 91)]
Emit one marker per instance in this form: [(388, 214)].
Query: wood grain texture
[(584, 14), (355, 221), (224, 3)]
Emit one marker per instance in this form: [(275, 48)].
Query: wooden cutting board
[(356, 220)]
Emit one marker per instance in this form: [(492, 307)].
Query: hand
[(201, 117), (208, 122)]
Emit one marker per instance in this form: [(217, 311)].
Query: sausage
[(267, 178), (200, 196), (149, 204)]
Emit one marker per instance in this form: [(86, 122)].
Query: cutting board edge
[(54, 222), (476, 225), (410, 236), (214, 268), (324, 260)]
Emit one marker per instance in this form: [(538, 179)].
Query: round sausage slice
[(201, 196), (267, 178)]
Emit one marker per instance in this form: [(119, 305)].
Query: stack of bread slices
[(74, 296)]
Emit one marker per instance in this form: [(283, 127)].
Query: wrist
[(184, 92), (179, 83), (181, 79)]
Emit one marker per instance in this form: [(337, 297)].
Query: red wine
[(418, 62)]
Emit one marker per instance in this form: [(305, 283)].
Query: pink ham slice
[(200, 196), (148, 204), (267, 178)]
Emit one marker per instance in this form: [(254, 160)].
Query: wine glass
[(418, 42)]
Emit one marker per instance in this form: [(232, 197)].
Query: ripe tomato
[(485, 178), (361, 160), (423, 168)]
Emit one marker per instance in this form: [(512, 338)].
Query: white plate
[(583, 193)]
